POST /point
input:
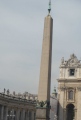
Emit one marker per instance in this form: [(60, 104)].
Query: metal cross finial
[(49, 9)]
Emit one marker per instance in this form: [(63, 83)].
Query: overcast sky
[(21, 35)]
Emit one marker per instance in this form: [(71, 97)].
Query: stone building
[(17, 107), (69, 89)]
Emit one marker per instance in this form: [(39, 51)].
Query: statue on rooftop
[(8, 92), (4, 90), (62, 60), (14, 93)]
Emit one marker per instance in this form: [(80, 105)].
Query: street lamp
[(11, 116)]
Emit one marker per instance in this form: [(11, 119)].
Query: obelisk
[(42, 112)]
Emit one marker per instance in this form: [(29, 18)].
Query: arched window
[(70, 95)]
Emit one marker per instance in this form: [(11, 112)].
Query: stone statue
[(8, 92), (62, 60), (4, 90), (24, 95), (14, 93)]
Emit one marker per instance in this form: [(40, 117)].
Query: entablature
[(69, 80)]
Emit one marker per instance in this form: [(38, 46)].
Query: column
[(12, 114), (17, 114), (2, 112), (27, 115), (6, 113), (23, 114), (32, 115)]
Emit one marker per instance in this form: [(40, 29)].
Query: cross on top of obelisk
[(49, 9)]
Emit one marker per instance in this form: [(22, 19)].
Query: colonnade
[(8, 113)]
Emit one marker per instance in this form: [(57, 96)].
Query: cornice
[(69, 80)]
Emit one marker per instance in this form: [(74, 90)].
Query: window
[(70, 95), (72, 72)]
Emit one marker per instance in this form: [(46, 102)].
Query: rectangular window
[(70, 95)]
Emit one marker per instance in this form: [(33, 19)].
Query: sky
[(21, 35)]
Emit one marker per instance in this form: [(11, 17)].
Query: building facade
[(69, 89)]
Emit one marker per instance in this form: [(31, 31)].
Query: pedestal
[(42, 114)]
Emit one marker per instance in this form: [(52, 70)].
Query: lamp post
[(11, 116)]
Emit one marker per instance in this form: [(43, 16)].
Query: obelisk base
[(42, 114)]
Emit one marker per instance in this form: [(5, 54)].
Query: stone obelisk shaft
[(45, 68)]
